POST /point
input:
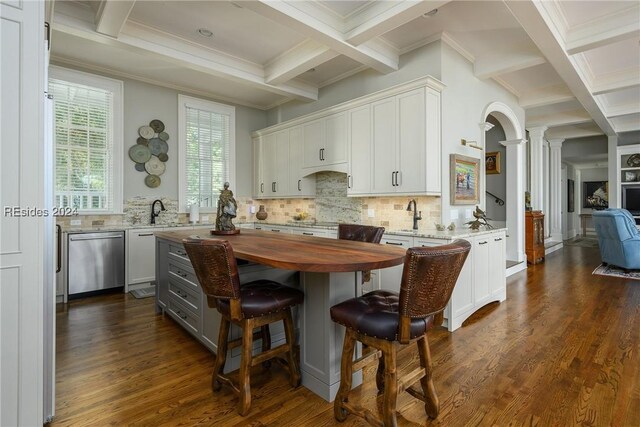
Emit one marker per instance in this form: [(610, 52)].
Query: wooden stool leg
[(431, 405), (221, 355), (245, 367), (380, 375), (346, 372), (390, 385), (294, 368), (266, 344)]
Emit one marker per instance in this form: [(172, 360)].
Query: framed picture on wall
[(464, 180), (595, 194), (570, 195), (492, 163)]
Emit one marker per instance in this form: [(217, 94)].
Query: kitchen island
[(328, 271)]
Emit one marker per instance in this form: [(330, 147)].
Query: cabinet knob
[(482, 243), (498, 239)]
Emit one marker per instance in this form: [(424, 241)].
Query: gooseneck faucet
[(416, 216), (153, 210)]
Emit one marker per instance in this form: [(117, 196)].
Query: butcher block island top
[(301, 253)]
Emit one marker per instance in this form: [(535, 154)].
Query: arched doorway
[(515, 174)]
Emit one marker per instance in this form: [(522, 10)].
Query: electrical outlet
[(252, 209), (76, 222), (371, 213), (204, 218)]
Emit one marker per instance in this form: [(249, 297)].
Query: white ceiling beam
[(147, 41), (604, 30), (543, 31), (573, 131), (628, 123), (559, 119), (297, 60), (493, 65), (379, 18), (543, 96), (112, 15), (616, 81), (623, 110), (287, 14)]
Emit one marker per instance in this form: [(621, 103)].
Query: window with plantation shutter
[(207, 131), (88, 139)]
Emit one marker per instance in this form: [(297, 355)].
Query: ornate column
[(515, 199), (484, 128), (614, 173), (555, 190), (536, 139)]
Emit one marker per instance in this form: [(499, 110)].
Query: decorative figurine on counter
[(527, 201), (227, 207), (439, 227), (480, 219), (452, 226)]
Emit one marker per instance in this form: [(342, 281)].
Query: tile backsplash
[(331, 204)]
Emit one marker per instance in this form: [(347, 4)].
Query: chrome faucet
[(416, 216), (153, 210)]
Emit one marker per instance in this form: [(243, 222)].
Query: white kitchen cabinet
[(390, 278), (300, 182), (141, 255), (317, 232), (359, 177), (411, 155), (325, 141), (481, 256), (275, 164), (258, 180), (384, 146), (498, 260)]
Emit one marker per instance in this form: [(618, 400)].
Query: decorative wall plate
[(156, 125), (146, 132), (634, 160), (139, 153), (154, 166), (140, 167), (163, 136), (142, 141), (158, 146), (152, 181), (163, 157)]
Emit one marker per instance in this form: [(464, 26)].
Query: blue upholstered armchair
[(618, 237)]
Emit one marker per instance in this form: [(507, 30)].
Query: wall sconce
[(471, 144)]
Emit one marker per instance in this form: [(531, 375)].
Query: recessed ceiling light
[(204, 32), (430, 13)]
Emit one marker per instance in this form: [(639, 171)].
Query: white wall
[(463, 102), (572, 219), (144, 102), (585, 175)]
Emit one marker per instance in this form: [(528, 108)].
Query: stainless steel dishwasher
[(95, 261)]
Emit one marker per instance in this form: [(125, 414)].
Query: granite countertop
[(428, 234)]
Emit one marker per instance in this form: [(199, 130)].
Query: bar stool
[(252, 305), (361, 233), (385, 320)]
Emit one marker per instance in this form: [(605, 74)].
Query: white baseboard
[(552, 248), (521, 266)]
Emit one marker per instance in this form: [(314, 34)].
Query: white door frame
[(514, 202)]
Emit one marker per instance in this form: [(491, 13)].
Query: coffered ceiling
[(574, 65)]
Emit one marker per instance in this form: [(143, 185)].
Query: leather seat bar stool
[(252, 305), (384, 321), (361, 233)]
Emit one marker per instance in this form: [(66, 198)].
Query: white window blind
[(207, 155), (84, 146)]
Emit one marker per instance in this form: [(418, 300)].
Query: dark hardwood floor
[(562, 350)]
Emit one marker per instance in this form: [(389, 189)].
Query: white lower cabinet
[(482, 279), (389, 278), (141, 255), (317, 232)]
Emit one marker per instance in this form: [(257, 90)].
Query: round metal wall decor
[(633, 161), (150, 152)]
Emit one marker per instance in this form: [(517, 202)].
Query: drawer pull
[(275, 231), (181, 253), (181, 295), (497, 240), (307, 234), (482, 243), (394, 243), (181, 274), (181, 315), (144, 234)]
